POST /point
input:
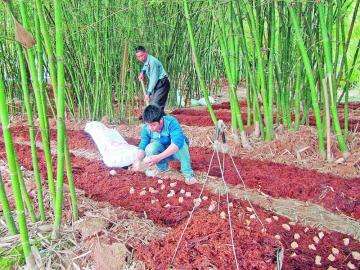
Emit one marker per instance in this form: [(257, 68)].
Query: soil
[(200, 116), (277, 180), (207, 238), (207, 243)]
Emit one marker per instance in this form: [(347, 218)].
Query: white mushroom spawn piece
[(112, 172), (173, 184), (351, 266), (318, 260), (167, 205), (253, 216), (181, 199), (222, 215), (152, 190), (132, 190), (188, 194), (321, 235), (316, 239), (171, 193), (268, 220), (331, 268), (160, 181), (331, 258), (278, 237), (212, 206), (356, 255), (182, 191), (153, 201), (276, 218), (312, 247), (335, 251), (142, 193), (249, 209), (346, 241), (197, 202), (286, 227), (162, 187), (204, 198), (294, 245), (296, 236), (306, 230)]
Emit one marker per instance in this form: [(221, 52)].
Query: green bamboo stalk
[(196, 62), (297, 97), (310, 77), (10, 153), (10, 224), (47, 42), (269, 119), (25, 195), (70, 177), (329, 77), (35, 162), (61, 130), (228, 49), (40, 106)]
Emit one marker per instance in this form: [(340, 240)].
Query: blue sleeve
[(176, 134), (153, 76), (145, 138), (143, 70)]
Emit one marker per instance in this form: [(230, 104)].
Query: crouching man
[(162, 140)]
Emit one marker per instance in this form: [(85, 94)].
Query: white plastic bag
[(115, 151)]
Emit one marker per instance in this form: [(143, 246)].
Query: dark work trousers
[(160, 93)]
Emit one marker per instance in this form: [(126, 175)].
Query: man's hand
[(152, 160), (141, 76), (147, 99)]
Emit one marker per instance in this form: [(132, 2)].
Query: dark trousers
[(160, 93)]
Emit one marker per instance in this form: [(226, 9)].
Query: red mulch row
[(226, 105), (251, 242), (207, 239), (201, 117), (278, 180), (94, 178)]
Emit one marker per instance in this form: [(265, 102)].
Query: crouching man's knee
[(154, 148)]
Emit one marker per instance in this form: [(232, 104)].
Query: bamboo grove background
[(67, 58)]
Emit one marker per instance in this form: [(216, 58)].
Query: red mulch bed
[(278, 180), (201, 117), (207, 238), (281, 180), (207, 241)]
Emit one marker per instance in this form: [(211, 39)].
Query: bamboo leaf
[(22, 36)]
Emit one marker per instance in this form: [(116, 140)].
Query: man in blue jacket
[(158, 82), (162, 140)]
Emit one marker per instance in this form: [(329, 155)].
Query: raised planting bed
[(206, 243), (207, 240), (278, 180)]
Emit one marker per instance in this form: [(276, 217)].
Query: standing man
[(158, 82), (162, 140)]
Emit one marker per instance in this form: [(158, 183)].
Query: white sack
[(115, 151)]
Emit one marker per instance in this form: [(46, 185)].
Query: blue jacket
[(170, 133), (154, 70)]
